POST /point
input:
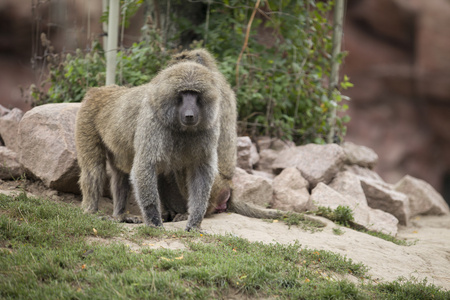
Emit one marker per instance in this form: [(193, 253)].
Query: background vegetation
[(281, 78)]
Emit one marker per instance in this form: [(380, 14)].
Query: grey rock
[(359, 155), (423, 198), (263, 174), (254, 155), (348, 184), (363, 172), (290, 191), (276, 144), (10, 168), (244, 153), (382, 196), (251, 189), (368, 218), (9, 125), (266, 159), (317, 163), (3, 111)]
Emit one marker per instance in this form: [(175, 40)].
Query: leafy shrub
[(70, 75), (281, 85)]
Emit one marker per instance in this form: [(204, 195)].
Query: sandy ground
[(428, 257)]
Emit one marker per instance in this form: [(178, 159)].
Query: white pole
[(334, 76), (113, 36), (105, 25)]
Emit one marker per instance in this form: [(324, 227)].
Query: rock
[(317, 163), (381, 221), (290, 191), (266, 159), (276, 144), (279, 145), (3, 111), (251, 189), (423, 198), (263, 143), (9, 125), (266, 175), (254, 155), (359, 155), (384, 197), (323, 195), (10, 168), (348, 184), (370, 219), (244, 153), (47, 148), (363, 172)]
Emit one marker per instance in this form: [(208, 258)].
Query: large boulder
[(423, 198), (382, 196), (9, 125), (10, 168), (290, 191), (47, 145), (317, 163), (252, 189)]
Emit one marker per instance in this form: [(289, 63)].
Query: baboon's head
[(200, 56), (186, 97)]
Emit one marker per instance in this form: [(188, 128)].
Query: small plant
[(338, 231), (299, 219), (342, 215)]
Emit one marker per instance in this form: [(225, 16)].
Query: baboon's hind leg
[(92, 162)]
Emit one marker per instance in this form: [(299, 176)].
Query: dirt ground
[(428, 257)]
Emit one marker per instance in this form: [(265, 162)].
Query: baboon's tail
[(253, 211)]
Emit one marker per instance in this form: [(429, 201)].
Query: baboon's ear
[(200, 59)]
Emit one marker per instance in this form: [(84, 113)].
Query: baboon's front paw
[(197, 229), (128, 218), (180, 217)]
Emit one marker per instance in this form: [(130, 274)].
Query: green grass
[(45, 253)]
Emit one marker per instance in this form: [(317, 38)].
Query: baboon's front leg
[(201, 179), (145, 183)]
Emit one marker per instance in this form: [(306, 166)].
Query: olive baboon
[(175, 203), (168, 126)]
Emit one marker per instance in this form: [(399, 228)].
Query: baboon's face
[(189, 108)]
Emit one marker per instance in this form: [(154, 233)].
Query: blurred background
[(398, 60)]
